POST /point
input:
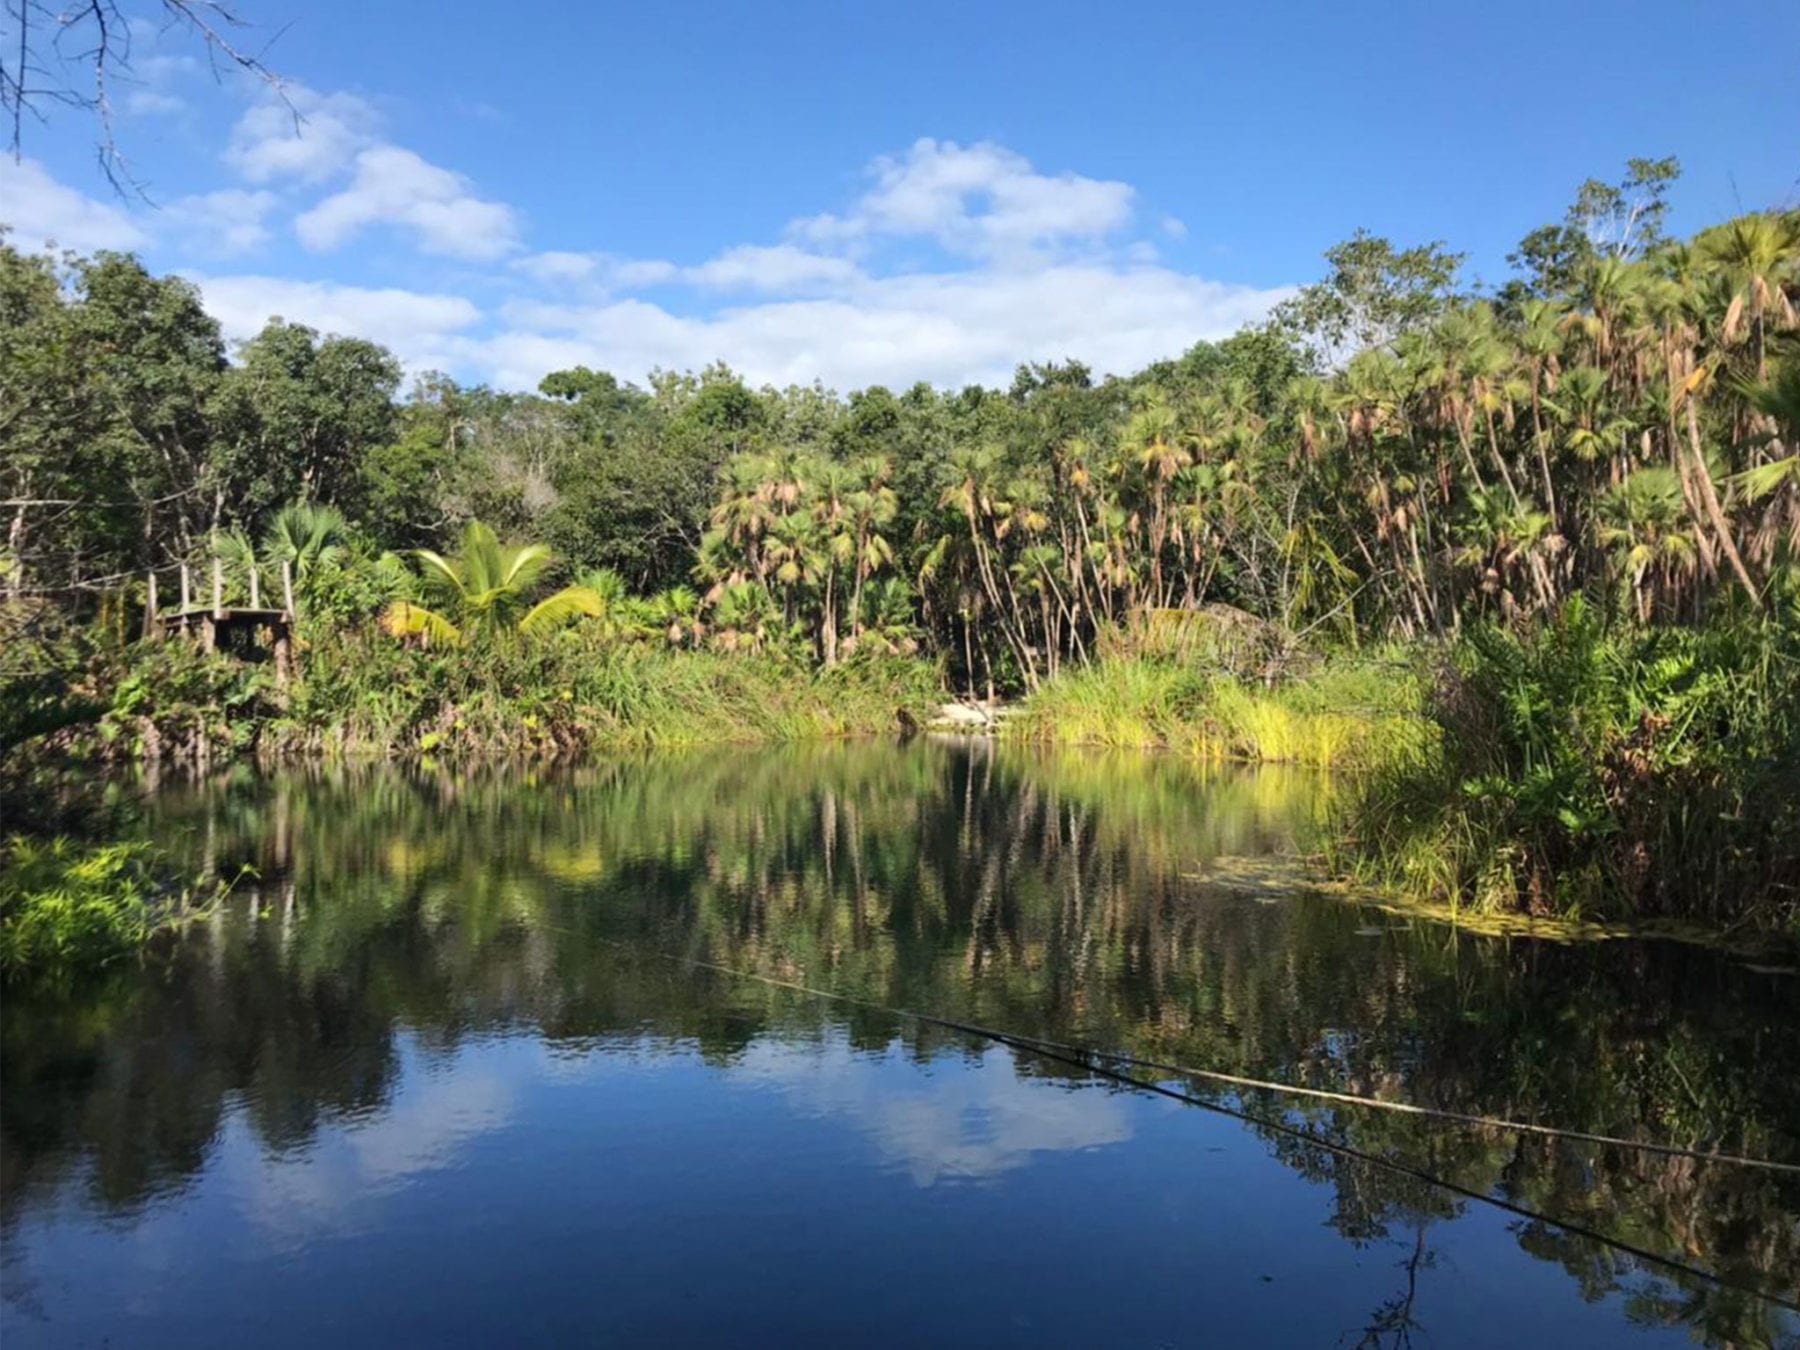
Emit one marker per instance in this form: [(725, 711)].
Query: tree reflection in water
[(1137, 904)]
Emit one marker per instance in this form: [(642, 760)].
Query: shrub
[(1346, 714), (1582, 771)]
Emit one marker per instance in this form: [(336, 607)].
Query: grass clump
[(1346, 714), (1588, 773)]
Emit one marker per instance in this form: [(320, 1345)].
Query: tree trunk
[(1703, 480)]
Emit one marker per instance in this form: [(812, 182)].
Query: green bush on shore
[(1587, 772), (362, 693)]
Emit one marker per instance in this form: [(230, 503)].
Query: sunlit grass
[(1343, 717)]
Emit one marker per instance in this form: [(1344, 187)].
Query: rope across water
[(1097, 1061)]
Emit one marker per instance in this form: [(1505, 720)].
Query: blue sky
[(870, 193)]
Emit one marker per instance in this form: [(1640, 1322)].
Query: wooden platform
[(215, 626)]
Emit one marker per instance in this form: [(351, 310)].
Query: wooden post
[(150, 606), (186, 590), (218, 588), (255, 594), (287, 586)]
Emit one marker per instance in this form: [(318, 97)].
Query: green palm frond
[(403, 618), (556, 610)]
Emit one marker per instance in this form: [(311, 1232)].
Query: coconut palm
[(483, 588)]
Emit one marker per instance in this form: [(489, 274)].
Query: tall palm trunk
[(1703, 479)]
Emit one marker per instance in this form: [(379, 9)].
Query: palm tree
[(872, 507), (483, 588), (1759, 256), (1642, 522), (1153, 442), (306, 535)]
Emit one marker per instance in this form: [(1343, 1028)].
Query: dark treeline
[(1394, 453)]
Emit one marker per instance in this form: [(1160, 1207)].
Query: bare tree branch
[(73, 57)]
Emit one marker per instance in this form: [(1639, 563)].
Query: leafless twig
[(44, 52)]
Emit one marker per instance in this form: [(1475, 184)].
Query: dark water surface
[(434, 1078)]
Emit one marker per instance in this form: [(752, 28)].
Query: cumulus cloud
[(981, 199), (425, 330), (227, 223), (557, 268), (951, 328), (780, 269), (435, 206), (955, 263), (1039, 267), (777, 269), (42, 211), (309, 138)]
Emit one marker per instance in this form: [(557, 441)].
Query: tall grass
[(363, 694), (1587, 773), (1345, 715)]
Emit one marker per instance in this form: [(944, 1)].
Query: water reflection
[(966, 1127), (423, 956)]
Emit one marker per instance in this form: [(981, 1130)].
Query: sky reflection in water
[(434, 1076)]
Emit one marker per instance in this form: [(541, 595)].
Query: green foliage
[(1348, 714), (47, 666), (483, 591), (65, 905), (1593, 771), (578, 691), (177, 702)]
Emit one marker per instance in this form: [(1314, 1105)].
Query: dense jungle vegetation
[(1523, 554)]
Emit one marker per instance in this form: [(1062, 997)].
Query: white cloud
[(1051, 271), (951, 328), (980, 199), (42, 211), (395, 187), (153, 102), (631, 275), (1017, 266), (151, 93), (310, 137), (424, 330), (228, 222), (781, 269), (559, 268)]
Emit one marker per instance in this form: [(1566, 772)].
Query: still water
[(447, 1071)]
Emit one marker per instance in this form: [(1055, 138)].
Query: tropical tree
[(486, 590)]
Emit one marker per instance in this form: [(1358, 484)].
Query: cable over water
[(1095, 1061)]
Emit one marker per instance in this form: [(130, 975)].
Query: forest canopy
[(1392, 453)]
